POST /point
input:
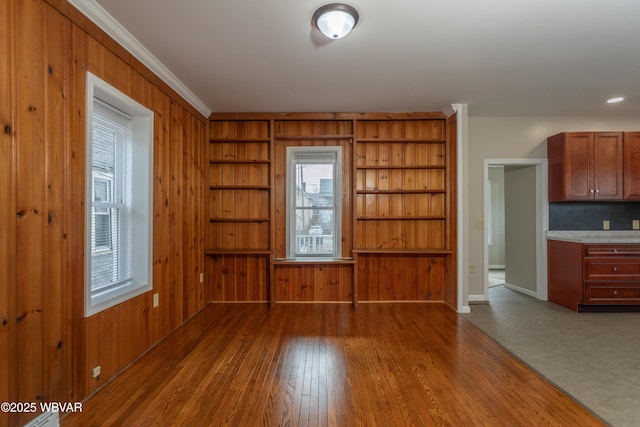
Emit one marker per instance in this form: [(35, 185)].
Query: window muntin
[(314, 184), (104, 225)]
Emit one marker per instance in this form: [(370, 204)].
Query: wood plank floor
[(329, 365)]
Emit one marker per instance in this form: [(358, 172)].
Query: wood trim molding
[(91, 10), (328, 116)]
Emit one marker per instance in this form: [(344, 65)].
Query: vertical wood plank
[(75, 192), (8, 289), (157, 319), (176, 224), (30, 174), (92, 354), (56, 335)]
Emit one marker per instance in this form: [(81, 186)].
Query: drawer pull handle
[(615, 293), (615, 269)]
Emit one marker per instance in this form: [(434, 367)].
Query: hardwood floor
[(412, 364)]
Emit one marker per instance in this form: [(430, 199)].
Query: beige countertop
[(608, 236)]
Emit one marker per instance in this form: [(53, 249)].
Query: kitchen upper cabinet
[(631, 166), (585, 166)]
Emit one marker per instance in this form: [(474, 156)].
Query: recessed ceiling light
[(615, 100)]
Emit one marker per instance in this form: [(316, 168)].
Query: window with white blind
[(314, 202), (118, 222)]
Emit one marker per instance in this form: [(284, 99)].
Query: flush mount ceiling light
[(615, 100), (335, 20)]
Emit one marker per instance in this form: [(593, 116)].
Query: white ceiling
[(501, 57)]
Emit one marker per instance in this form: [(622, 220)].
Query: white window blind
[(111, 213)]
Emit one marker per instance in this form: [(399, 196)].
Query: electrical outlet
[(605, 224), (635, 224), (95, 372), (156, 300), (201, 277)]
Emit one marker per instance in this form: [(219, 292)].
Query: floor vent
[(46, 419)]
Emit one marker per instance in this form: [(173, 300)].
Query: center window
[(313, 198)]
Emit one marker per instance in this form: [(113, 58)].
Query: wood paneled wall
[(314, 282), (238, 277), (398, 208), (47, 347), (311, 133), (401, 277)]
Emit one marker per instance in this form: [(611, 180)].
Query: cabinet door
[(631, 166), (607, 166), (578, 166)]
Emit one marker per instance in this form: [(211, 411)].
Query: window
[(314, 202), (103, 220), (119, 197)]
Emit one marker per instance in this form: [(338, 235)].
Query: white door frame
[(542, 220)]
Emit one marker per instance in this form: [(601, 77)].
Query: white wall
[(508, 138), (520, 227), (496, 244)]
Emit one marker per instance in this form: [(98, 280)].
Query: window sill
[(110, 297), (313, 261)]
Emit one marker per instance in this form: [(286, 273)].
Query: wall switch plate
[(478, 224), (472, 268), (95, 372), (605, 225), (156, 300), (635, 224)]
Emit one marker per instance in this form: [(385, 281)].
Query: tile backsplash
[(589, 216)]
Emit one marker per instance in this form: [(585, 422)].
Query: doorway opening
[(516, 220)]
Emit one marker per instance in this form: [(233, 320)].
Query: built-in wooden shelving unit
[(397, 236)]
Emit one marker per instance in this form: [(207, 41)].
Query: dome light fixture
[(335, 20), (615, 100)]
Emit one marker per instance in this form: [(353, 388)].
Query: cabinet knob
[(597, 191), (615, 251), (592, 191), (615, 268), (615, 293)]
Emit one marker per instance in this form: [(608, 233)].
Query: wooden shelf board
[(216, 251), (401, 167), (299, 261), (240, 140), (401, 251), (311, 137), (239, 219), (399, 218), (403, 140), (400, 191), (239, 187), (241, 162)]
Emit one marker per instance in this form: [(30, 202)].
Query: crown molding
[(113, 28), (449, 110)]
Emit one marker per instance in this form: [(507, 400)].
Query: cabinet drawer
[(610, 293), (612, 268), (612, 250)]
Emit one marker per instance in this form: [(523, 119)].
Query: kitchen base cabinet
[(594, 277)]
